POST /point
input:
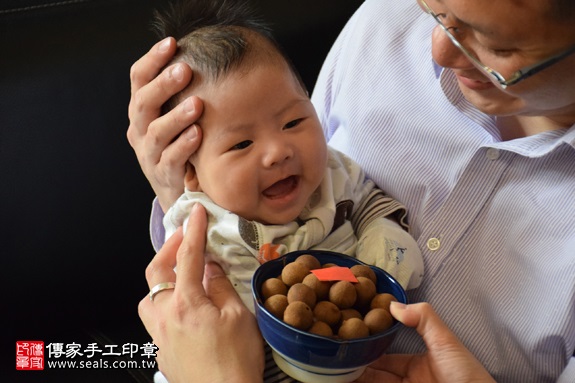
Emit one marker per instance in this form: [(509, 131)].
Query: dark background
[(74, 203)]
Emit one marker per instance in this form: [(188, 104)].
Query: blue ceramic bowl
[(313, 358)]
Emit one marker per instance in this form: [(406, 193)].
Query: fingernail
[(213, 270), (164, 45), (193, 211), (191, 133), (398, 305), (177, 72), (189, 105)]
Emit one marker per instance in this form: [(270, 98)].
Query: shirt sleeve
[(157, 232)]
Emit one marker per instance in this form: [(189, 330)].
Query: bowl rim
[(294, 254)]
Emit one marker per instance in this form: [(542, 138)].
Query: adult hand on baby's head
[(162, 144), (202, 329), (446, 359)]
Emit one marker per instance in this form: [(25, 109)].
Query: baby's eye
[(241, 145), (293, 123)]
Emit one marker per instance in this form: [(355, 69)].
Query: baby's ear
[(191, 179)]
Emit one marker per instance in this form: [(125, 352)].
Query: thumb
[(450, 359), (218, 287), (427, 323)]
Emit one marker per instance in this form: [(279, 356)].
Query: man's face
[(263, 152), (508, 35)]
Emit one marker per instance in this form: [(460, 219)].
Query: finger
[(388, 368), (149, 65), (190, 256), (162, 142), (174, 137), (146, 311), (391, 366), (146, 102), (371, 375), (432, 329), (161, 268), (428, 325), (442, 344), (220, 290)]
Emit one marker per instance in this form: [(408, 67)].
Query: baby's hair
[(182, 17), (215, 36)]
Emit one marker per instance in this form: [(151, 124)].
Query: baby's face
[(263, 151)]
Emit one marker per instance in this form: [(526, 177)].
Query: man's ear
[(191, 179)]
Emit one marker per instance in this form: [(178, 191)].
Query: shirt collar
[(454, 95), (539, 145), (436, 68)]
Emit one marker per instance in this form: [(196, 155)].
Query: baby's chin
[(282, 218)]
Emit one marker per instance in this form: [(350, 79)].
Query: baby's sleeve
[(387, 245)]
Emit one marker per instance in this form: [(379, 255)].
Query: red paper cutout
[(335, 273)]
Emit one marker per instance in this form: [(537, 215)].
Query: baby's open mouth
[(282, 187)]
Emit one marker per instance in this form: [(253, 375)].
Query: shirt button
[(492, 154), (433, 244)]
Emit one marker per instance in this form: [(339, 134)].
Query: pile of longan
[(339, 309)]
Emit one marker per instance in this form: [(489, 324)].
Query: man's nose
[(445, 53)]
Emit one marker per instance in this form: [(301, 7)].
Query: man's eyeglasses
[(492, 74)]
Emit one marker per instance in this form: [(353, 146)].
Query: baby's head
[(263, 152)]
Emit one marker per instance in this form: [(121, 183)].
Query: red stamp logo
[(29, 355)]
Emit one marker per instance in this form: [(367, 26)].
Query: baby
[(264, 172)]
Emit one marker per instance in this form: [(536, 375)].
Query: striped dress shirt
[(495, 219)]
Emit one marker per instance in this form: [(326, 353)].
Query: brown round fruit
[(303, 293), (353, 328), (298, 315), (321, 288), (276, 304), (342, 294), (327, 312), (378, 320), (321, 328), (364, 271), (382, 301), (294, 273), (273, 286), (366, 290), (309, 261), (350, 313)]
